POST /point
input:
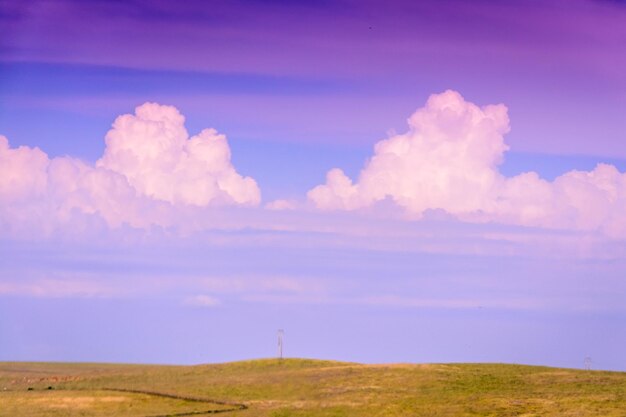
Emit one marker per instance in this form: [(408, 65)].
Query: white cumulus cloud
[(150, 168), (154, 152), (449, 160)]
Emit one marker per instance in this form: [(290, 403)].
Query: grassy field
[(296, 387)]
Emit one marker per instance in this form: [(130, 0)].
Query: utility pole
[(588, 363), (281, 334)]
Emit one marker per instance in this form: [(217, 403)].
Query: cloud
[(153, 175), (150, 172), (448, 160), (201, 301), (23, 173), (251, 284), (153, 151), (58, 288), (281, 204)]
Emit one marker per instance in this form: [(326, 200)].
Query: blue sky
[(407, 182), (344, 303)]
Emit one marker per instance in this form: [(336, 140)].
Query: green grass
[(296, 387)]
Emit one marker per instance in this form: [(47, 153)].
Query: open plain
[(298, 387)]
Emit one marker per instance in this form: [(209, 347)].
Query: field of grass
[(297, 387)]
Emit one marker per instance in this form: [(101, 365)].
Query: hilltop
[(304, 387)]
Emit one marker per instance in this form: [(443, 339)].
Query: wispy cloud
[(59, 80), (60, 288), (204, 301)]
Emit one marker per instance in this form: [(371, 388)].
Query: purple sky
[(427, 247)]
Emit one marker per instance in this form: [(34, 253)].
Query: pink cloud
[(152, 173), (201, 300), (60, 288), (149, 170), (449, 160), (154, 152), (23, 172)]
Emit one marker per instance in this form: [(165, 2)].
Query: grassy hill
[(298, 387)]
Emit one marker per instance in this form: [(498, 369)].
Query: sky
[(399, 181)]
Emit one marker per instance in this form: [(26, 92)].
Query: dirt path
[(233, 406)]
